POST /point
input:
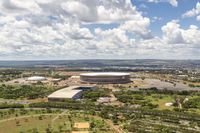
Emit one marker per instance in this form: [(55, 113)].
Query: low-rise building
[(72, 92), (82, 125), (36, 78), (105, 77)]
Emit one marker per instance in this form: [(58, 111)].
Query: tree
[(17, 123), (60, 128)]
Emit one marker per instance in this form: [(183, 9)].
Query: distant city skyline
[(99, 29)]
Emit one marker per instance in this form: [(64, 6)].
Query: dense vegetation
[(62, 77), (40, 121), (144, 119), (24, 91), (94, 95), (8, 74), (135, 111), (136, 120), (192, 103), (193, 85), (5, 106), (182, 101)]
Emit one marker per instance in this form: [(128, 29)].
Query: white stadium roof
[(105, 74), (36, 78), (64, 93)]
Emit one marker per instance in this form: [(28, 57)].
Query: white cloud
[(80, 10), (44, 1), (172, 2), (17, 7), (74, 31), (101, 11), (114, 37), (174, 34), (193, 12), (155, 19), (198, 18), (60, 29), (139, 27)]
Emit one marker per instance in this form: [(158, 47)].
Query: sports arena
[(106, 77)]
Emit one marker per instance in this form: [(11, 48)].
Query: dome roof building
[(105, 77), (36, 78)]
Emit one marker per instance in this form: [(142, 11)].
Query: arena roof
[(36, 78), (64, 93), (105, 74)]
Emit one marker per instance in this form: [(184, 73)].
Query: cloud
[(172, 2), (114, 37), (74, 31), (101, 11), (139, 27), (198, 18), (174, 34), (16, 7), (193, 12), (80, 10), (155, 19), (60, 29), (56, 28), (45, 12)]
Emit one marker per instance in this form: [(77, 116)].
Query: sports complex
[(105, 77)]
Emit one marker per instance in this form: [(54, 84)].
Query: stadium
[(105, 77), (71, 92), (36, 78)]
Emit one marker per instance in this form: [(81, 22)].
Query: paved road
[(148, 83)]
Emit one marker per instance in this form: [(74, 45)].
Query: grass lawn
[(27, 124), (5, 114), (161, 100)]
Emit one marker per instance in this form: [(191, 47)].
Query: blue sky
[(167, 13), (161, 10), (102, 29)]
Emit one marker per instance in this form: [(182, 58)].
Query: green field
[(160, 100), (56, 123)]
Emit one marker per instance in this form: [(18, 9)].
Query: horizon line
[(95, 59)]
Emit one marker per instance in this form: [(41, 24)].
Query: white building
[(105, 77), (72, 92), (36, 78)]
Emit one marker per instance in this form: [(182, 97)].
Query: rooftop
[(105, 74), (82, 125), (36, 78), (68, 92)]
